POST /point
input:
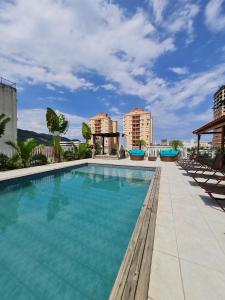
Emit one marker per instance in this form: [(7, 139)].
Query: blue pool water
[(64, 235)]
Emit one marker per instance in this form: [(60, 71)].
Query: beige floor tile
[(165, 281), (201, 283), (218, 229), (165, 240), (164, 218), (197, 243)]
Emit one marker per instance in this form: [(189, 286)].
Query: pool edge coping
[(133, 278)]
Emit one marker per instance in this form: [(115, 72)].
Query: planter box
[(136, 157), (169, 158), (152, 158)]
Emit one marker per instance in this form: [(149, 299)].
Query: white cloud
[(168, 99), (109, 87), (34, 120), (215, 18), (60, 41), (175, 16), (179, 70), (182, 19), (115, 110), (158, 8)]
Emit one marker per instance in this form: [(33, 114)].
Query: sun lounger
[(215, 189), (207, 166)]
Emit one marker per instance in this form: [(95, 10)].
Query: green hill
[(41, 138)]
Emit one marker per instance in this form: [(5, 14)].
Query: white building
[(69, 145), (8, 106)]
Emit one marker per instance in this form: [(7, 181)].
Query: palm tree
[(3, 121), (23, 150), (175, 144), (57, 125), (86, 132), (141, 143)]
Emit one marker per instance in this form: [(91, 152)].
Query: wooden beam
[(198, 147), (210, 132)]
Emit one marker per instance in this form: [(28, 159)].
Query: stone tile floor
[(189, 249)]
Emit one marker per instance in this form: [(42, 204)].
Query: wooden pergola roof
[(215, 125), (108, 134)]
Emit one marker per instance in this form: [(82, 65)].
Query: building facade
[(69, 145), (8, 106), (138, 125), (218, 111), (102, 123)]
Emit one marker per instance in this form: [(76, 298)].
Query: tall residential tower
[(102, 123), (138, 126), (219, 110)]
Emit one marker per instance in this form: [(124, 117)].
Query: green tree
[(141, 143), (176, 144), (3, 121), (86, 132), (24, 150), (84, 151), (57, 124)]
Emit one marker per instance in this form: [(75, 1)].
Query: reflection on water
[(111, 179), (9, 201), (58, 199)]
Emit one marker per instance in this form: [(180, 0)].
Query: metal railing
[(7, 82)]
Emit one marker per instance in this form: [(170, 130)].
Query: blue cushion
[(169, 152), (137, 152)]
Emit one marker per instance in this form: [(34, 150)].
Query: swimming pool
[(63, 235)]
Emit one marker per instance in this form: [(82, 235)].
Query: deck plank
[(132, 281)]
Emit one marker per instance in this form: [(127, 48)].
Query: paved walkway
[(189, 250)]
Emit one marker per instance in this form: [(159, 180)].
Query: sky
[(88, 56)]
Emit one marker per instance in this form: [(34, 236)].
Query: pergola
[(106, 135), (214, 127)]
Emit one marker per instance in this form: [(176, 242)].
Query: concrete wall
[(8, 106)]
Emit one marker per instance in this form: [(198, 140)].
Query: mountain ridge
[(41, 138)]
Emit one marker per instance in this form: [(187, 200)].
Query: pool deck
[(189, 248)]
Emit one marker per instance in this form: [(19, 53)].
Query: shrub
[(84, 151), (3, 161), (38, 160), (70, 155)]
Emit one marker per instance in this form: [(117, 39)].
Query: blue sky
[(83, 57)]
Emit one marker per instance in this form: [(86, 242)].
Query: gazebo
[(214, 127), (107, 135)]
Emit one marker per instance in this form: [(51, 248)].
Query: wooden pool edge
[(133, 278)]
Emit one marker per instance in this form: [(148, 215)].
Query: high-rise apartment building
[(102, 123), (219, 110), (138, 126), (8, 106)]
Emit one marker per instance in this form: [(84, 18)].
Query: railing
[(154, 150), (7, 82), (47, 151)]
